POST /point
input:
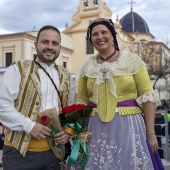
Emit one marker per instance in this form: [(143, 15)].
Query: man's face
[(48, 46)]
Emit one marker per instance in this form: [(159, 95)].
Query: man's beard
[(45, 60)]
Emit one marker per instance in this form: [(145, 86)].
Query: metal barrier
[(166, 148)]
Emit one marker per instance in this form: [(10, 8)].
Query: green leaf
[(51, 126)]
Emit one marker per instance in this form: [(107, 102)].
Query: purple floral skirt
[(117, 145)]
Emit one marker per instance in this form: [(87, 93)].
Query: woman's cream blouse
[(124, 79)]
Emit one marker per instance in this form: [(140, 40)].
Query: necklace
[(110, 56), (60, 97)]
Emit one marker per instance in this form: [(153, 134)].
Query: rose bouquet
[(75, 119)]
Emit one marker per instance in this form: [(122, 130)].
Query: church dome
[(132, 22)]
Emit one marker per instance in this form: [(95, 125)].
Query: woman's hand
[(153, 142)]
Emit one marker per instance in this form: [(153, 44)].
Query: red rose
[(68, 109), (45, 120), (80, 106)]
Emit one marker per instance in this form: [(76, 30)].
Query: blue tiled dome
[(132, 22)]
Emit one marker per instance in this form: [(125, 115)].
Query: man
[(160, 131), (1, 142), (168, 117), (28, 88)]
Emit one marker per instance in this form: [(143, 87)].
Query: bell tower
[(91, 9), (91, 3), (87, 11)]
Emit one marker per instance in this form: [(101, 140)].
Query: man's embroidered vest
[(28, 101)]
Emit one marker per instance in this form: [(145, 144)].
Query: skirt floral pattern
[(117, 145)]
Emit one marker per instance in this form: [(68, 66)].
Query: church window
[(8, 59), (64, 64)]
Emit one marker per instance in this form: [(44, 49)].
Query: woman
[(116, 83)]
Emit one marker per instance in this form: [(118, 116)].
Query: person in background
[(27, 88), (164, 104), (1, 141), (115, 83), (168, 114), (160, 131), (169, 125)]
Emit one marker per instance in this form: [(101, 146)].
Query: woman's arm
[(148, 101), (82, 96), (149, 117), (72, 92)]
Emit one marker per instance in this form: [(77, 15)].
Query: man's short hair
[(47, 27)]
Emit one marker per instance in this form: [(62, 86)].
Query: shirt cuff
[(28, 125), (150, 96)]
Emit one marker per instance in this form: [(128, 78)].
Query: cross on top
[(132, 2)]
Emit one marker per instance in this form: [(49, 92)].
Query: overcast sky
[(24, 15)]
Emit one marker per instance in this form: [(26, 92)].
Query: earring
[(113, 43)]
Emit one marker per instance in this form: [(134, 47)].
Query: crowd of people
[(160, 124), (114, 82), (165, 105)]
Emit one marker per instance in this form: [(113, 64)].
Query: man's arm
[(9, 89)]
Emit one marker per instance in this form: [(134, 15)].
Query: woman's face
[(101, 37)]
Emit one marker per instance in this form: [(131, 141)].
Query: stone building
[(155, 54)]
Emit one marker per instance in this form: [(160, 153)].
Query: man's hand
[(40, 131), (61, 137)]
